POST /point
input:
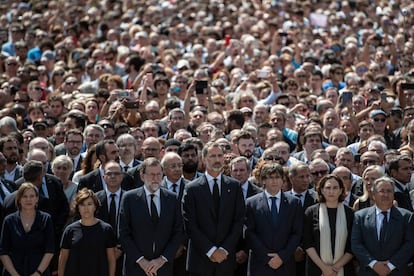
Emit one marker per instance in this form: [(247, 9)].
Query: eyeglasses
[(226, 147), (323, 172), (38, 88), (110, 174), (222, 104), (379, 119), (271, 158), (71, 82), (58, 73), (368, 161)]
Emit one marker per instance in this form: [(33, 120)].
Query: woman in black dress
[(88, 245), (327, 231), (27, 239)]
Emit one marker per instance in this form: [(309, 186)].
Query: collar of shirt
[(148, 193), (244, 187), (102, 172), (378, 212), (130, 164), (76, 158), (170, 184), (210, 180), (278, 196), (108, 193)]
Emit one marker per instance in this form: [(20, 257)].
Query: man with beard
[(189, 155), (246, 144), (127, 147), (282, 151), (73, 144), (9, 148), (213, 212), (106, 151)]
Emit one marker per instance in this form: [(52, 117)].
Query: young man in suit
[(269, 215), (150, 225), (110, 199), (382, 239), (174, 182), (213, 211)]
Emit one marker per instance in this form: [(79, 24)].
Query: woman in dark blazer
[(327, 231)]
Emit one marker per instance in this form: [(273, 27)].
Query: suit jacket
[(310, 198), (183, 183), (103, 213), (138, 235), (263, 237), (134, 173), (93, 181), (252, 189), (60, 149), (402, 196), (399, 240), (205, 229)]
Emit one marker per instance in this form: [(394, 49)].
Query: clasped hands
[(218, 256), (381, 268), (151, 267), (275, 262)]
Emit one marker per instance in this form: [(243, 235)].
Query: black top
[(332, 226), (26, 250), (364, 204), (87, 248)]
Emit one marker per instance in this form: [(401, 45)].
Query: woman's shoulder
[(312, 209)]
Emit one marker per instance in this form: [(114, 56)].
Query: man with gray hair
[(176, 120), (8, 125), (127, 146)]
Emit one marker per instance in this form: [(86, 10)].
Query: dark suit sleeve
[(236, 230), (125, 234), (177, 232), (405, 252), (357, 242), (82, 183), (253, 241)]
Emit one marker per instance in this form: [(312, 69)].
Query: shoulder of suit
[(230, 180), (254, 198)]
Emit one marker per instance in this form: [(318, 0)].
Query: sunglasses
[(320, 172), (222, 104), (379, 119)]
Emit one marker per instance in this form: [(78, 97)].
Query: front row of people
[(151, 228)]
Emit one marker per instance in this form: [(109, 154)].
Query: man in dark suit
[(274, 223), (127, 148), (213, 211), (151, 147), (9, 148), (300, 177), (240, 170), (174, 182), (106, 151), (382, 239), (150, 225), (401, 169), (346, 175), (72, 148), (110, 201), (245, 144)]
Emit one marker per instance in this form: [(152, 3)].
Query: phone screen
[(200, 86)]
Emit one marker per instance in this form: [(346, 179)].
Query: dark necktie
[(154, 212), (383, 229), (112, 212), (73, 162), (174, 186), (216, 197), (273, 209), (126, 168), (300, 197)]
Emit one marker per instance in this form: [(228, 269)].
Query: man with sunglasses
[(379, 120)]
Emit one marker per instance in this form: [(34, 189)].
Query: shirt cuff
[(391, 266), (211, 251), (372, 263), (165, 259), (137, 261)]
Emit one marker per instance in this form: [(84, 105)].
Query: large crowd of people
[(204, 138)]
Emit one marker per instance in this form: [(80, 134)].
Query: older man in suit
[(213, 211), (274, 226), (175, 182), (150, 225), (382, 235)]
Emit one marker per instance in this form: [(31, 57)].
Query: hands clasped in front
[(218, 256), (151, 267)]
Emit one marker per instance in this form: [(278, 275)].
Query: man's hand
[(218, 256), (299, 254), (180, 251), (381, 268), (275, 262), (144, 264), (118, 252), (241, 257), (154, 265)]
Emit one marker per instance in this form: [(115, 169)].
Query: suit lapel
[(207, 195), (283, 211), (264, 205), (141, 197)]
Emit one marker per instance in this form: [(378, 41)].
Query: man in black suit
[(240, 170), (401, 169), (213, 211), (382, 239), (245, 144), (150, 225), (174, 182), (9, 148), (106, 151), (151, 147), (300, 177), (346, 175), (274, 223), (110, 201), (127, 148), (72, 148), (6, 186)]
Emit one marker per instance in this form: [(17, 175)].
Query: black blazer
[(103, 213), (138, 235), (310, 198), (134, 173), (93, 181), (205, 229), (252, 189), (399, 240), (402, 196), (311, 238), (263, 237)]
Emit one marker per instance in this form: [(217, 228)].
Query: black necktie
[(300, 197), (216, 197), (383, 229), (154, 212), (273, 210), (126, 169), (174, 186), (112, 212), (73, 162)]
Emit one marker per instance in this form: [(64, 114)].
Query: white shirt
[(302, 198), (117, 198), (75, 161), (123, 165), (170, 185), (379, 219), (278, 198), (156, 199), (210, 180), (244, 188)]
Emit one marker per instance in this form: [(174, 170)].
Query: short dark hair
[(83, 195), (19, 194), (74, 131), (100, 147), (322, 182), (395, 163), (150, 162), (186, 147), (237, 116), (268, 169)]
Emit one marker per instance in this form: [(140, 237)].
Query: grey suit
[(399, 239)]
